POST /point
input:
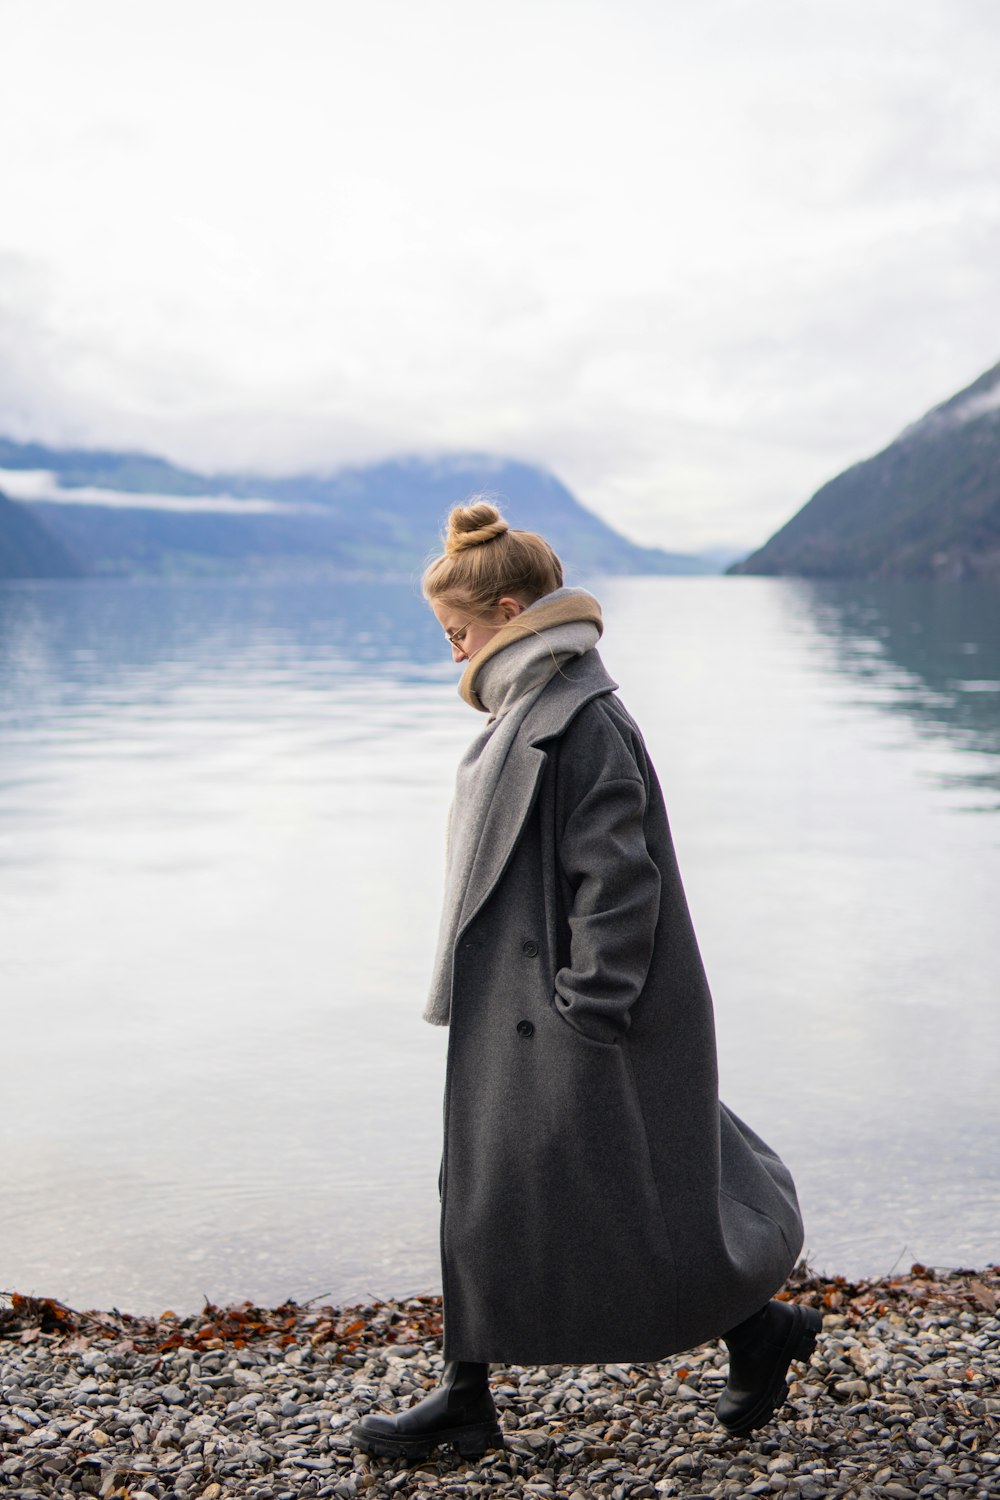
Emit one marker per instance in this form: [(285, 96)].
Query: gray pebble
[(275, 1423)]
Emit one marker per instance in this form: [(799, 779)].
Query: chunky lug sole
[(800, 1342), (470, 1441)]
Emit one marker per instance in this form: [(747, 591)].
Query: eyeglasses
[(456, 637)]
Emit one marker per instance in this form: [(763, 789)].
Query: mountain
[(28, 549), (928, 506), (134, 514), (138, 473)]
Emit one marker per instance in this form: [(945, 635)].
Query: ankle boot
[(459, 1411), (760, 1351)]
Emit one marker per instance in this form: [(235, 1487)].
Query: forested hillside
[(376, 519), (928, 506)]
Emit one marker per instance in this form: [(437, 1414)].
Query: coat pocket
[(564, 1012), (596, 1133)]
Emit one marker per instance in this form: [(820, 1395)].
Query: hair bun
[(471, 525)]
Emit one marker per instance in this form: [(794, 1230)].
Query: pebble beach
[(901, 1399)]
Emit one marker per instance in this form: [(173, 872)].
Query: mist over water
[(222, 812)]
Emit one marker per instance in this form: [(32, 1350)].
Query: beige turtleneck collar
[(564, 606)]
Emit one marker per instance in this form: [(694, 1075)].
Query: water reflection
[(221, 849), (57, 640), (928, 652)]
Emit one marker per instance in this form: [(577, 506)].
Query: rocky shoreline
[(901, 1399)]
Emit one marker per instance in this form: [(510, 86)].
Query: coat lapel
[(571, 689)]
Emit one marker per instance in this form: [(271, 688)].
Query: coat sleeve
[(614, 907)]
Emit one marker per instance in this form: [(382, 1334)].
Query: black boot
[(760, 1351), (459, 1411)]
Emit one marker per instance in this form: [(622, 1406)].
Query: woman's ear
[(509, 608)]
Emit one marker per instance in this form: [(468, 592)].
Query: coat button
[(529, 949), (525, 1029)]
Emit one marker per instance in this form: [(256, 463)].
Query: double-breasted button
[(529, 949), (525, 1029)]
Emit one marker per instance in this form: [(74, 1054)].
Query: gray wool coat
[(598, 1203)]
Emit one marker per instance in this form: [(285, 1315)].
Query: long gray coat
[(598, 1203)]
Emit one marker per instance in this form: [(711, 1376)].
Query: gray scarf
[(504, 679)]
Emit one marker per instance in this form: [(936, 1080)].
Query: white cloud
[(978, 406), (42, 484), (694, 258)]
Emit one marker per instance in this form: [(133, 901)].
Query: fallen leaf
[(984, 1295)]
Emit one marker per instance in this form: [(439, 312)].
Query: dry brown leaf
[(983, 1294)]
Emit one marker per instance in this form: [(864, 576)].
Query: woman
[(598, 1203)]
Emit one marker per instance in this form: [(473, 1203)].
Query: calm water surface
[(221, 848)]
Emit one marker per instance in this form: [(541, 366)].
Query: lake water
[(221, 844)]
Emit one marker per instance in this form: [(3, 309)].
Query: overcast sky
[(696, 257)]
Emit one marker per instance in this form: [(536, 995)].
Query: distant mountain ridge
[(378, 518), (28, 550), (927, 506)]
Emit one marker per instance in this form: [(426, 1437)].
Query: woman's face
[(468, 629)]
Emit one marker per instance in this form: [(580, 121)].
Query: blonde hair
[(484, 560)]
